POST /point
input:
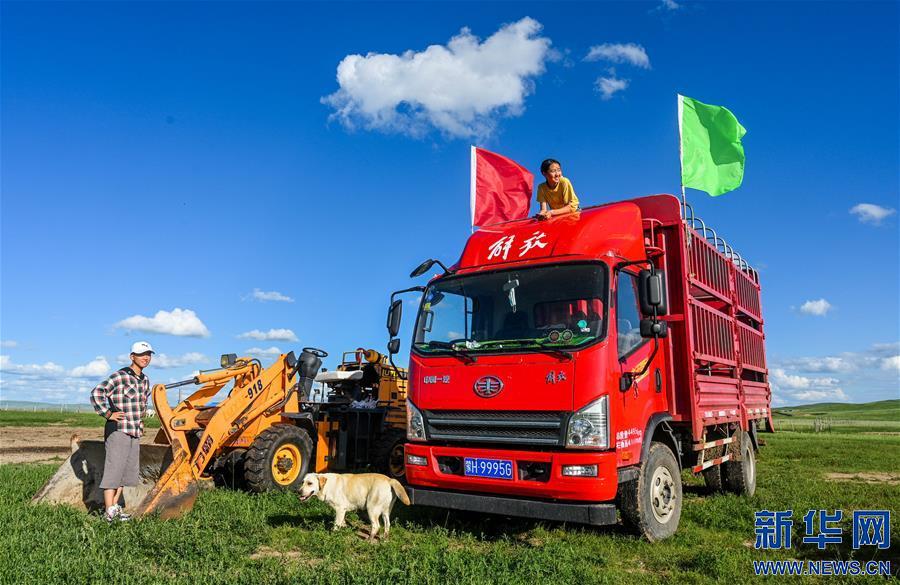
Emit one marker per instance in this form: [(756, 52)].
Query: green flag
[(712, 156)]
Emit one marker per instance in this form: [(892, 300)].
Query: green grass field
[(23, 418), (234, 537)]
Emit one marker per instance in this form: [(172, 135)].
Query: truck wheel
[(713, 478), (651, 505), (389, 457), (713, 475), (278, 459), (740, 476)]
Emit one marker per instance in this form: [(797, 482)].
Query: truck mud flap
[(593, 514)]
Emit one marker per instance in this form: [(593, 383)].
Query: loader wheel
[(278, 459), (740, 476), (651, 504), (389, 457)]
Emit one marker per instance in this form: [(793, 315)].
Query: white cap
[(141, 347)]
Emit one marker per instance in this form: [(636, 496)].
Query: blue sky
[(163, 162)]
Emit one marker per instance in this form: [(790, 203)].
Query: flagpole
[(681, 156), (472, 189)]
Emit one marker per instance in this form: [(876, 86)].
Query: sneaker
[(112, 513), (123, 516)]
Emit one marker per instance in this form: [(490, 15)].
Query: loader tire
[(389, 457), (278, 459), (740, 476), (651, 504)]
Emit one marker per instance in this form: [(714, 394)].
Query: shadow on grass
[(845, 551), (490, 527), (308, 521)]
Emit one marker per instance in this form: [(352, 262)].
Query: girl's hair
[(545, 166)]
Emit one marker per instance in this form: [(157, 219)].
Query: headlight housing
[(415, 423), (589, 427)]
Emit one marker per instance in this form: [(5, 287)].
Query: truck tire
[(651, 504), (740, 476), (715, 483), (389, 457), (278, 459)]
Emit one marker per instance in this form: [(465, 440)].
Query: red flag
[(500, 188)]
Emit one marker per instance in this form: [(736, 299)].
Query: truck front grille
[(514, 427)]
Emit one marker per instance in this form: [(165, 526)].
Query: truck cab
[(547, 376)]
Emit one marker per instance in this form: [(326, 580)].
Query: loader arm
[(254, 392)]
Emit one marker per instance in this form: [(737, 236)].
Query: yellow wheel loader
[(266, 434)]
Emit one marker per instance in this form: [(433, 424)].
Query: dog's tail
[(398, 489)]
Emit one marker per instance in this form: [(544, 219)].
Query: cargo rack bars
[(698, 225)]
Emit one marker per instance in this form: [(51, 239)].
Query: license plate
[(496, 468)]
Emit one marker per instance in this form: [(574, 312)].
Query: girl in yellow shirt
[(556, 195)]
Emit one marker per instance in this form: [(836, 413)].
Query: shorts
[(121, 465)]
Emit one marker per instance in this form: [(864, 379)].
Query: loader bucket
[(77, 481), (175, 492)]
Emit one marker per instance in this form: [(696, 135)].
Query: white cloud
[(792, 388), (862, 376), (818, 307), (263, 353), (96, 368), (784, 380), (833, 364), (609, 86), (8, 343), (270, 335), (883, 356), (833, 395), (181, 322), (891, 363), (460, 89), (871, 213), (39, 370), (628, 53), (259, 295), (670, 5), (166, 362)]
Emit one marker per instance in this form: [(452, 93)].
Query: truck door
[(633, 352)]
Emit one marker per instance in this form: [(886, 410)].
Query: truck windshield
[(561, 306)]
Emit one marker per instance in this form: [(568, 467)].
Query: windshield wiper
[(456, 351), (555, 350), (542, 347)]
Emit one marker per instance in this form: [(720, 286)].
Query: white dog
[(373, 492)]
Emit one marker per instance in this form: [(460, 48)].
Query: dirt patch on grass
[(297, 556), (47, 443), (866, 477)]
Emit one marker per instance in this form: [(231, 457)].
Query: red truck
[(562, 369)]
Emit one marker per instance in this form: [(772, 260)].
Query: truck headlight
[(589, 427), (415, 424)]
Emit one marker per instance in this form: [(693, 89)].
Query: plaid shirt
[(124, 392)]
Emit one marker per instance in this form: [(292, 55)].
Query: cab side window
[(628, 316)]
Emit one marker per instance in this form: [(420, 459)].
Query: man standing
[(122, 400)]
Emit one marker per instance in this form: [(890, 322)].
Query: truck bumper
[(595, 514), (436, 474)]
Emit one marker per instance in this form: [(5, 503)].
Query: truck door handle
[(658, 377)]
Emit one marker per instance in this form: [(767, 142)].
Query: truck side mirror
[(393, 346), (652, 292), (394, 315), (651, 328), (421, 268)]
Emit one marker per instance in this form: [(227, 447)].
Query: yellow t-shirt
[(562, 195)]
